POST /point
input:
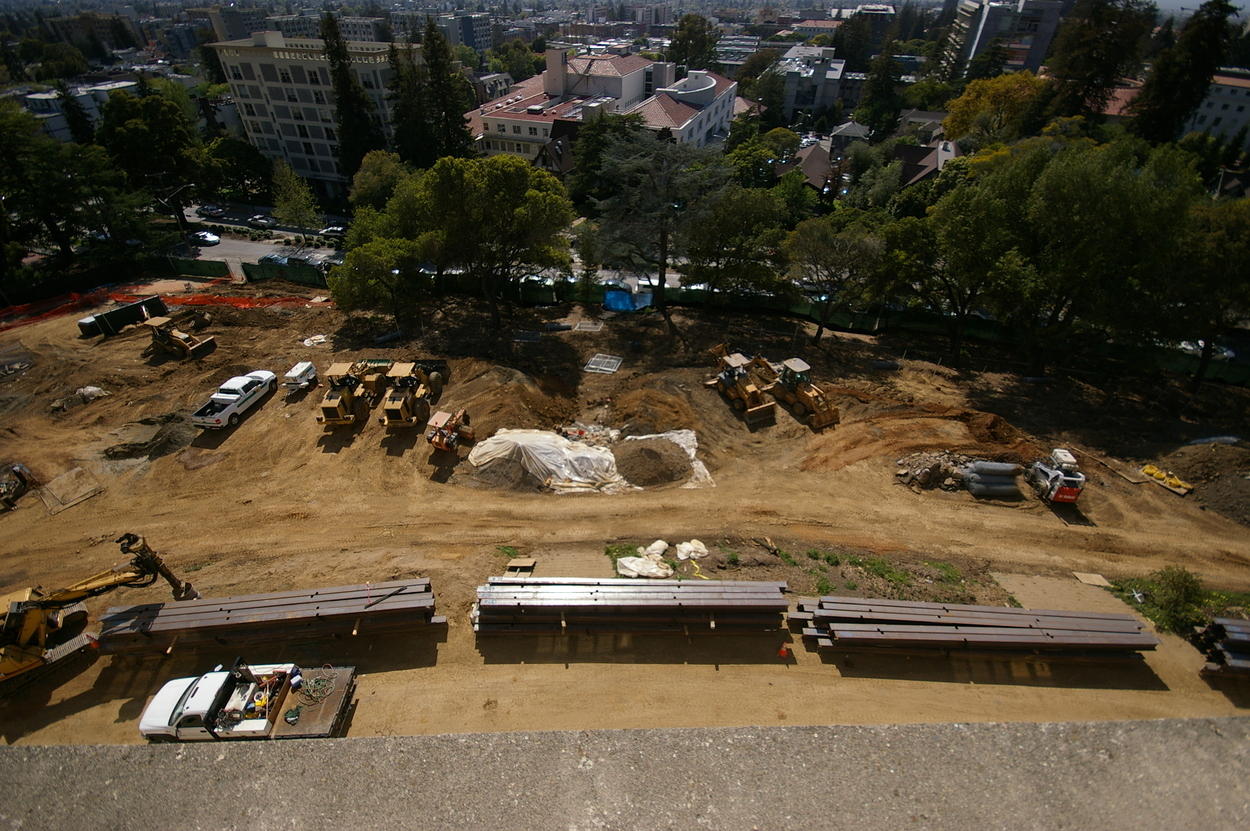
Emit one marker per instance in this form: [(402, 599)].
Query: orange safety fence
[(11, 317)]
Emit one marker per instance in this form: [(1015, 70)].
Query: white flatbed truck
[(257, 701)]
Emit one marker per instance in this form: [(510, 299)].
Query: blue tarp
[(620, 300)]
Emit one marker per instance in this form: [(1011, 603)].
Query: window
[(292, 97), (303, 131), (546, 132), (318, 97), (284, 76), (1202, 119), (367, 82), (297, 114), (248, 109), (533, 131), (1224, 107), (190, 722), (516, 129), (235, 73), (330, 136), (1215, 122), (1240, 107), (314, 78), (308, 148), (501, 128)]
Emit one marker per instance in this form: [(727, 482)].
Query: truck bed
[(324, 718)]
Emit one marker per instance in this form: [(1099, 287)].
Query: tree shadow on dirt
[(585, 647), (1108, 672)]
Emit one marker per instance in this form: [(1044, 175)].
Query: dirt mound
[(500, 474), (855, 441), (996, 432), (1218, 473), (651, 462), (645, 411), (152, 437), (499, 396)]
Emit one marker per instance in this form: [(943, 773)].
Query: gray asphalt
[(1168, 774)]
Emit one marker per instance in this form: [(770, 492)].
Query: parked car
[(273, 259), (234, 398), (262, 221), (1218, 353), (204, 238), (333, 231), (334, 259), (210, 210)]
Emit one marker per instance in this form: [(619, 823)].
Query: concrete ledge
[(1166, 774)]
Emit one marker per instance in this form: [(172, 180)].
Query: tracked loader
[(790, 383)]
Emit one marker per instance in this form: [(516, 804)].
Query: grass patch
[(851, 585), (617, 550), (813, 554), (1175, 600), (1013, 603), (509, 551), (823, 586), (947, 572), (733, 559), (882, 568), (787, 558), (833, 559)]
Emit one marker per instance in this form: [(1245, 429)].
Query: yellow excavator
[(40, 628)]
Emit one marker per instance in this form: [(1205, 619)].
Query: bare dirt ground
[(279, 502)]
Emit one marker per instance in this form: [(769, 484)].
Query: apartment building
[(282, 88), (1023, 29), (464, 28), (1224, 111), (813, 79), (364, 29), (50, 109), (228, 22)]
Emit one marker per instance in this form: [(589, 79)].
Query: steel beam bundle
[(561, 604), (372, 608), (870, 622), (1226, 643)]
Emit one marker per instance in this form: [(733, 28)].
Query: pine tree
[(1180, 77), (1097, 44), (881, 102), (410, 116), (293, 203), (448, 101), (353, 109), (81, 130)]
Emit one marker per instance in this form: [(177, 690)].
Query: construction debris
[(565, 604), (933, 469)]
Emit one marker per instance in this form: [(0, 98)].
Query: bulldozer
[(734, 382), (39, 628), (349, 383), (447, 431), (790, 383), (412, 386), (168, 338)]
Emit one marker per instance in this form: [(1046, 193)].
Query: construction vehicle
[(168, 338), (734, 382), (15, 480), (447, 431), (39, 629), (791, 384), (349, 383), (1057, 478), (411, 387), (257, 701)]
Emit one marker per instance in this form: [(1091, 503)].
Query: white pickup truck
[(234, 398), (257, 701)]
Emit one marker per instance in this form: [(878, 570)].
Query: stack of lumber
[(372, 608), (1226, 643), (840, 622), (559, 604)]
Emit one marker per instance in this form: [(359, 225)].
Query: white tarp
[(562, 465), (648, 565), (693, 550), (689, 442)]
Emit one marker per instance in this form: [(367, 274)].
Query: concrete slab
[(1136, 776)]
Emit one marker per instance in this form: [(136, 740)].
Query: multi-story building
[(1022, 29), (282, 88), (813, 79), (364, 29), (463, 28), (812, 28), (113, 31), (878, 15), (696, 110), (1225, 111), (230, 23), (50, 109)]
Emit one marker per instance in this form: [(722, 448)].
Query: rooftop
[(663, 110), (607, 65)]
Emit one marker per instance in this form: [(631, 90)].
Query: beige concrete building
[(282, 88)]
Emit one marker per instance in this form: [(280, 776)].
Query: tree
[(990, 63), (211, 61), (753, 67), (732, 240), (881, 103), (449, 96), (929, 94), (234, 170), (991, 110), (382, 273), (517, 59), (656, 182), (410, 113), (293, 203), (835, 256), (853, 42), (354, 113), (694, 43), (81, 130), (379, 174), (770, 91), (1097, 44), (151, 139), (586, 183), (1180, 76)]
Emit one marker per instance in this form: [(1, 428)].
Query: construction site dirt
[(281, 502)]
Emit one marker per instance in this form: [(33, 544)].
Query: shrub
[(509, 551), (813, 554), (1178, 597), (823, 586), (733, 559), (833, 559)]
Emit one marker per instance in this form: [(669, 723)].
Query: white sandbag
[(689, 442), (656, 549), (560, 464), (89, 394), (693, 550), (643, 567)]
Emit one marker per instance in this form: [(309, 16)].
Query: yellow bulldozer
[(169, 339), (40, 628), (350, 383), (735, 383), (790, 383), (412, 387)]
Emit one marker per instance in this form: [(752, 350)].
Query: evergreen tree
[(881, 103), (448, 97), (358, 130), (293, 203), (694, 43), (410, 116), (1097, 44), (81, 130), (1179, 79)]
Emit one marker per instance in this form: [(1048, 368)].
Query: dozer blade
[(203, 347), (761, 414)]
